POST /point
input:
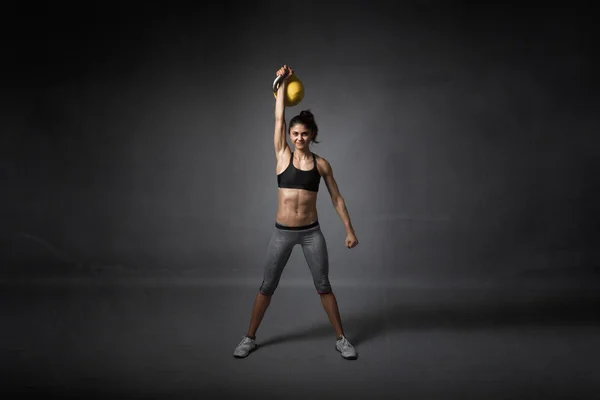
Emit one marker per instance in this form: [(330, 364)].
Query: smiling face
[(300, 136)]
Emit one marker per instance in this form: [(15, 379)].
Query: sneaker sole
[(255, 347), (346, 358)]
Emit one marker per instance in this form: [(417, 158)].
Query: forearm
[(340, 207), (280, 102)]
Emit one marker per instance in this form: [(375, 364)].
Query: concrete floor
[(176, 341)]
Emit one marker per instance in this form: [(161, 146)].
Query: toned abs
[(295, 207)]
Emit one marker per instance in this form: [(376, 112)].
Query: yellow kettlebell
[(294, 90)]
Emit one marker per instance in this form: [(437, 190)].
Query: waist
[(296, 228)]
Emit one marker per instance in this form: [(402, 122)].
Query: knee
[(323, 287), (266, 293), (267, 289)]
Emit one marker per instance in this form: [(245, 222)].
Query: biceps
[(279, 135)]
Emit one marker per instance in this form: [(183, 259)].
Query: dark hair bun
[(307, 114)]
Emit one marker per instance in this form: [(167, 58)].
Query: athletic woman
[(298, 176)]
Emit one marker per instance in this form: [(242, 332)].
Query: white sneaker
[(348, 351), (246, 346)]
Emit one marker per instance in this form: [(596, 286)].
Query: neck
[(302, 154)]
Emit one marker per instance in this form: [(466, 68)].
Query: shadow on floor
[(368, 325)]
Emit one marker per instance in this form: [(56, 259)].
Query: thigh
[(278, 253), (314, 248)]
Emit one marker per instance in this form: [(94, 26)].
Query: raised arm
[(279, 137)]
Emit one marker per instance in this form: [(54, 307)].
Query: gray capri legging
[(280, 248)]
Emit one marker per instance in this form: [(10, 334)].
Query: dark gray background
[(136, 143), (463, 140)]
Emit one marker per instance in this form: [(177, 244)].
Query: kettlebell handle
[(277, 81)]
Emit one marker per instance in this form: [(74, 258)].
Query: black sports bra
[(294, 178)]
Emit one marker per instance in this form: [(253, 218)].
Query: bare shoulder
[(323, 166), (284, 154)]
